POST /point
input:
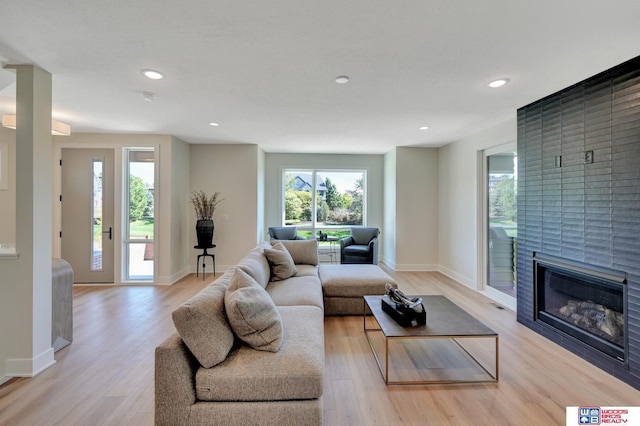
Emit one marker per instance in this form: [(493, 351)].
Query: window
[(97, 201), (501, 178), (324, 200), (140, 220)]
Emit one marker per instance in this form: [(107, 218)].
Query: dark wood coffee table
[(453, 347)]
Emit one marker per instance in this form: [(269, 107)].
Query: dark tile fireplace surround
[(579, 219)]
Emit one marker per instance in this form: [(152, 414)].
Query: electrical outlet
[(225, 217), (558, 160), (588, 157)]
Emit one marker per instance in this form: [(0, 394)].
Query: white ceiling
[(265, 69)]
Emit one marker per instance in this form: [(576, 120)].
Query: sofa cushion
[(307, 271), (256, 264), (281, 262), (302, 251), (202, 323), (353, 280), (303, 290), (295, 372), (252, 314)]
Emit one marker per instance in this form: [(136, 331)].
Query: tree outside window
[(339, 198)]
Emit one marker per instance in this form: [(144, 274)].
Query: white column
[(26, 282)]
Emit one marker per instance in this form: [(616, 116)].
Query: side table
[(204, 255), (332, 253)]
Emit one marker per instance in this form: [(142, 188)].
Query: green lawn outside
[(338, 234), (142, 228), (139, 229)]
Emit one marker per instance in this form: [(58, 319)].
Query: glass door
[(139, 248), (501, 177)]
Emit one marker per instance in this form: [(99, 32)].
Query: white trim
[(481, 219), (501, 298), (418, 267), (466, 281), (220, 269), (483, 225), (314, 171), (125, 243), (388, 263), (174, 278), (29, 367), (9, 254)]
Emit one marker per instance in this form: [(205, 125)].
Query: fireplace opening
[(585, 304)]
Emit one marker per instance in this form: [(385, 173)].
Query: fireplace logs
[(594, 318)]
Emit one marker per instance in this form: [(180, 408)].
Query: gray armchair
[(361, 246), (284, 233)]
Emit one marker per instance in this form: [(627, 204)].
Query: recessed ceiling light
[(423, 128), (498, 83), (342, 79), (214, 124), (153, 75)]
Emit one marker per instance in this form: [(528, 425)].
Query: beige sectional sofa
[(245, 355)]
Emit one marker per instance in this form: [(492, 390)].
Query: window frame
[(126, 239), (314, 227)]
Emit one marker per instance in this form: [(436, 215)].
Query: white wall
[(390, 240), (8, 197), (177, 249), (458, 203), (262, 187), (416, 209), (234, 171), (373, 164)]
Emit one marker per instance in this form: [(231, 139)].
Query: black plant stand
[(204, 255)]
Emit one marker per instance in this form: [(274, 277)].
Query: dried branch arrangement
[(205, 206)]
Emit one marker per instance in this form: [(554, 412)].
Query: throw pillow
[(252, 314), (303, 252), (281, 262), (203, 325)]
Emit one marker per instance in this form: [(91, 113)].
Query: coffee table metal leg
[(386, 363)]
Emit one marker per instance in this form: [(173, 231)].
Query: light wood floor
[(106, 375)]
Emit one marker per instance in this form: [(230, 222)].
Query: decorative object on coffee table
[(408, 312)]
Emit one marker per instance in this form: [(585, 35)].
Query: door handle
[(108, 232)]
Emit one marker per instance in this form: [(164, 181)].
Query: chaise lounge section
[(271, 372)]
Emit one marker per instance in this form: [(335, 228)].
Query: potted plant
[(204, 207)]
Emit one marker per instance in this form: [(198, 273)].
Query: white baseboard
[(408, 267), (501, 298), (220, 269), (389, 263), (173, 278), (466, 281), (418, 267), (29, 367)]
